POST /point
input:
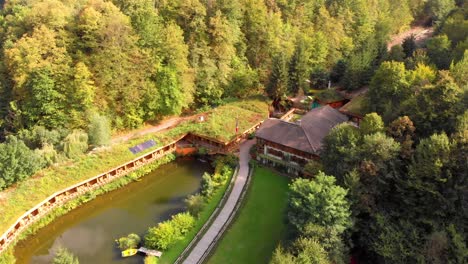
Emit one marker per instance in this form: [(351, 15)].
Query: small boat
[(129, 252)]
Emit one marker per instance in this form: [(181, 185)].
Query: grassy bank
[(20, 198), (259, 226)]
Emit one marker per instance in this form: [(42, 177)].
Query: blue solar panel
[(142, 146)]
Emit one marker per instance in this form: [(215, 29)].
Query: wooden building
[(291, 145)]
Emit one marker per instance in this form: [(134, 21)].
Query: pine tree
[(278, 83)]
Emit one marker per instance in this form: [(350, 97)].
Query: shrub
[(313, 167), (17, 162), (162, 236), (169, 232), (130, 241), (99, 130), (183, 222), (39, 136), (75, 144), (48, 154), (207, 185), (151, 260), (195, 204), (230, 159), (64, 256)]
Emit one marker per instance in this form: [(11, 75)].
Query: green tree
[(183, 222), (318, 201), (396, 53), (409, 45), (64, 256), (438, 50), (388, 88), (162, 236), (44, 104), (281, 256), (75, 144), (402, 130), (128, 242), (171, 98), (278, 83), (17, 162), (371, 123), (459, 71), (99, 130), (339, 153), (310, 251), (439, 9), (431, 187), (195, 204), (436, 107)]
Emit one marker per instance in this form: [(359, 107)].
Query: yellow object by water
[(129, 252)]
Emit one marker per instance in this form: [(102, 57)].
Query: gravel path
[(204, 243)]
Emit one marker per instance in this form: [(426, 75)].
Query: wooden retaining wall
[(61, 197)]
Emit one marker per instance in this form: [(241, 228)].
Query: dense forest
[(393, 191), (133, 61)]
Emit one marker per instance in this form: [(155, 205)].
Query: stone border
[(210, 220)]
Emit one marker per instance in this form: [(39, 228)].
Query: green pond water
[(90, 230)]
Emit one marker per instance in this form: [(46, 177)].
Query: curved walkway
[(202, 246)]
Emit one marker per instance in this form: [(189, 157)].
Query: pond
[(90, 230)]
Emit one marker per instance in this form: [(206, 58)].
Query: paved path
[(202, 245)]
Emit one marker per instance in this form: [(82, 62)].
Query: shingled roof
[(307, 135)]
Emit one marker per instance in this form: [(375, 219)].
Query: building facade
[(289, 146)]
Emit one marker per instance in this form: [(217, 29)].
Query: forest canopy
[(63, 62)]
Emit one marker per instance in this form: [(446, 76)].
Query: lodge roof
[(307, 135)]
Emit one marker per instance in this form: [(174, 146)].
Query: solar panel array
[(142, 146)]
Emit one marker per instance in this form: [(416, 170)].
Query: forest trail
[(148, 128), (421, 34)]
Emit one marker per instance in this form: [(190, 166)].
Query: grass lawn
[(259, 226), (357, 105), (329, 96)]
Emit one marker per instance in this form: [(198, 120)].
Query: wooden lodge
[(291, 145)]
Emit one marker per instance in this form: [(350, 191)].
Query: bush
[(17, 162), (75, 144), (40, 136), (313, 167), (99, 130), (48, 154), (128, 242), (207, 185), (230, 159), (161, 236), (183, 222), (195, 204), (151, 260), (169, 232), (64, 256)]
